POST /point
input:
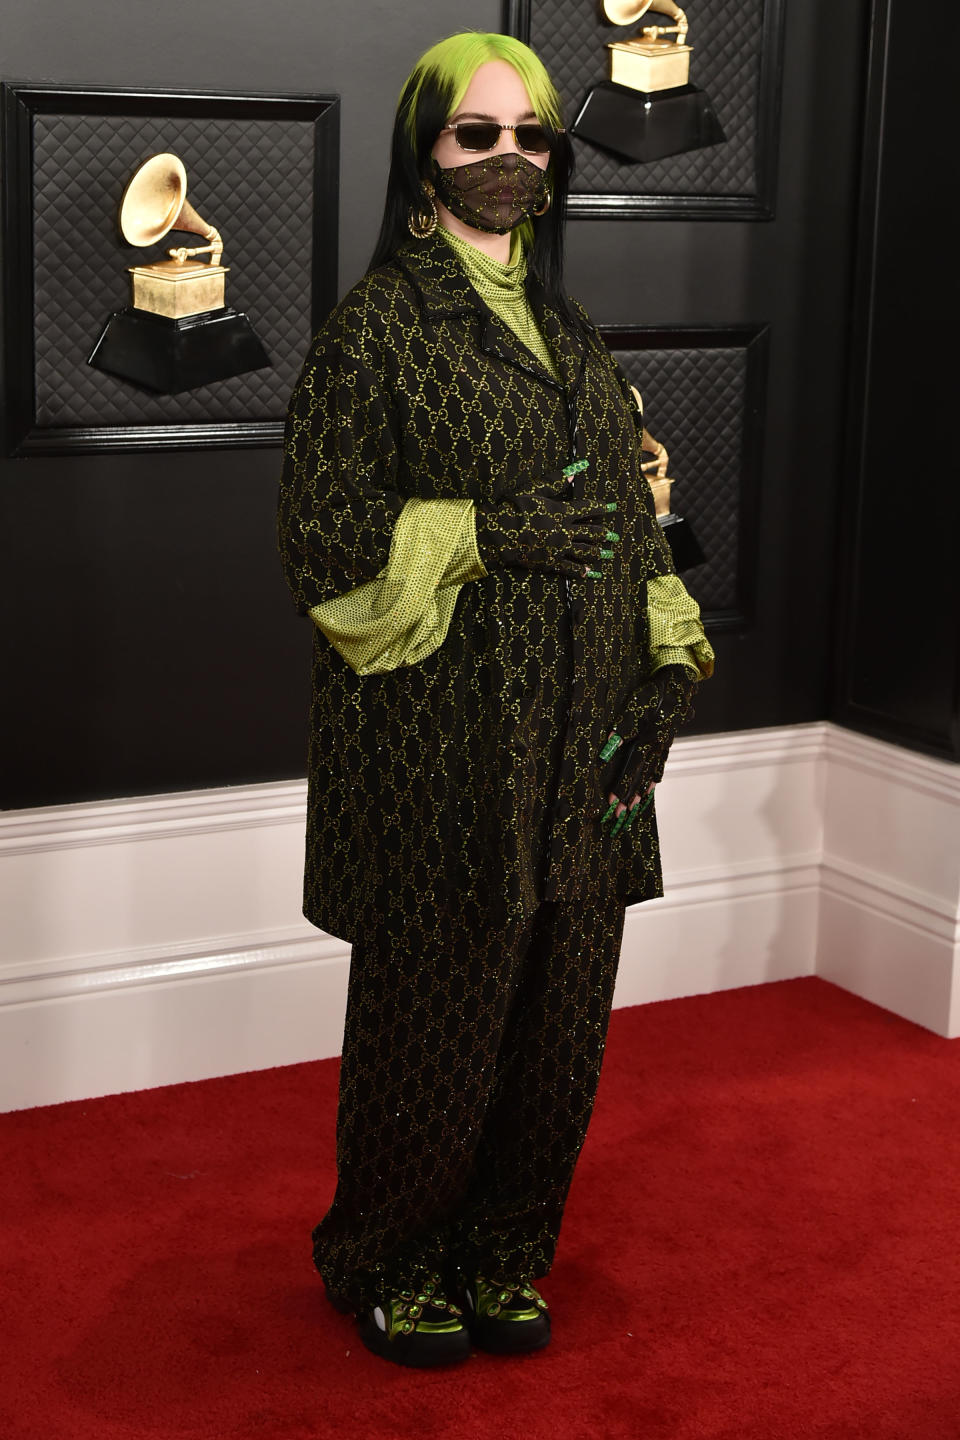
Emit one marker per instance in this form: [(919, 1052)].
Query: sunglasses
[(485, 135)]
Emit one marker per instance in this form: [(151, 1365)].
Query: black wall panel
[(149, 643), (898, 674), (267, 168), (705, 389)]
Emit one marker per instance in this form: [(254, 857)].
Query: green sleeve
[(677, 636), (404, 614)]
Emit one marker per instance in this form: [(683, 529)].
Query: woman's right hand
[(545, 530)]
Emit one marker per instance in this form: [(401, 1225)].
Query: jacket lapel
[(445, 291), (568, 348)]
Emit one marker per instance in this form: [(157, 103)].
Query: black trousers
[(472, 1050)]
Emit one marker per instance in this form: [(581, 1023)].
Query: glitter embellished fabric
[(676, 632), (502, 287), (421, 774), (471, 1056), (492, 194), (453, 824), (401, 617)]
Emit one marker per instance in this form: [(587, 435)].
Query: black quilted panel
[(726, 35), (252, 179), (695, 401)]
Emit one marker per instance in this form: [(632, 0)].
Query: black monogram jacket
[(472, 779)]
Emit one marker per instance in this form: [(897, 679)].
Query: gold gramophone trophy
[(684, 545), (648, 108), (177, 333)]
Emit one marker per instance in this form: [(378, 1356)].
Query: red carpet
[(761, 1244)]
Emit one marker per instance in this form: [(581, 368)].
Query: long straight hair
[(432, 92)]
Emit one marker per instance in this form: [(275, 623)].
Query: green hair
[(433, 90), (450, 65)]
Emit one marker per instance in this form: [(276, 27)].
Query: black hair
[(423, 110)]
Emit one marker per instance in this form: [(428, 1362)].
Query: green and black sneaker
[(416, 1327), (505, 1317)]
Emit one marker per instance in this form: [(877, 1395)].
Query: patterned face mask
[(492, 194)]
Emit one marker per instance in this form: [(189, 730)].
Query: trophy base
[(167, 356), (641, 125), (684, 546)]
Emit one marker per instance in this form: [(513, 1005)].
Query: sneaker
[(505, 1317), (416, 1327)]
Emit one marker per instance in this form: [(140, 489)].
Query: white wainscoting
[(890, 884), (148, 941)]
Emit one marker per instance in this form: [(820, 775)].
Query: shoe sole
[(418, 1351), (508, 1337)]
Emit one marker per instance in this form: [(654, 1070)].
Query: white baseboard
[(154, 940), (890, 880)]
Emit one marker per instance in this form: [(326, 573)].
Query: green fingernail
[(606, 554), (630, 817), (640, 808), (594, 575), (611, 747), (618, 825), (609, 811), (611, 504), (612, 535), (575, 467)]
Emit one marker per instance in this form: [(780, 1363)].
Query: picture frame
[(737, 59), (704, 398), (263, 169)]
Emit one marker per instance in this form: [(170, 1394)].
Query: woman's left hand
[(643, 758), (623, 815)]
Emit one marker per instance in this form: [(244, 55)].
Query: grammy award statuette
[(178, 333), (648, 108)]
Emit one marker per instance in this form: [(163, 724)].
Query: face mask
[(492, 194)]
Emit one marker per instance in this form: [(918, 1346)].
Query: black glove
[(657, 710), (544, 529)]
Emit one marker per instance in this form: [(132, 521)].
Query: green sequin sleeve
[(677, 636), (377, 572), (404, 614)]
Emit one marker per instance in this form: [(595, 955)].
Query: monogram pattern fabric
[(470, 1067), (476, 765), (494, 193), (453, 830)]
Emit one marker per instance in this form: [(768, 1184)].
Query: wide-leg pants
[(471, 1056)]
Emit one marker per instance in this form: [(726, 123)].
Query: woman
[(502, 656)]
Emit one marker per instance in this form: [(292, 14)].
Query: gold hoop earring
[(422, 221), (546, 204)]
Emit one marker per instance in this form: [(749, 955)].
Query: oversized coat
[(471, 780)]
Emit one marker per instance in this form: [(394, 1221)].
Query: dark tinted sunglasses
[(485, 135)]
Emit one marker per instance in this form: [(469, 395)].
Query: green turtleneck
[(501, 286), (404, 614)]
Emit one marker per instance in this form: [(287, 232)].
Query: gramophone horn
[(624, 12), (154, 202)]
